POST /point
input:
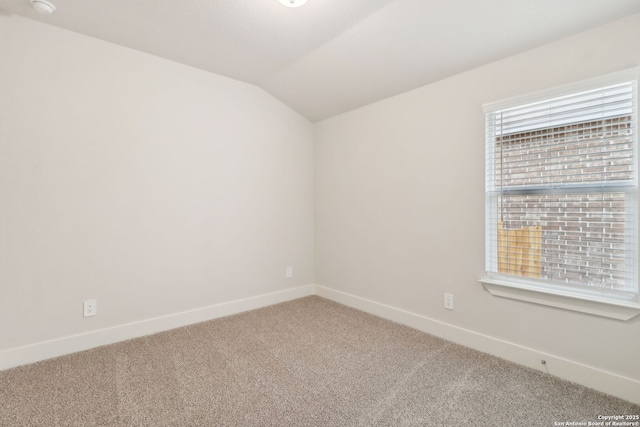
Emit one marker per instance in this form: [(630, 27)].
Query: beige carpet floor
[(309, 362)]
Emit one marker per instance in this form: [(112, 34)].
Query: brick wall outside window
[(582, 232)]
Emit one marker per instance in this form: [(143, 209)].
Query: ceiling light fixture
[(43, 6), (293, 3)]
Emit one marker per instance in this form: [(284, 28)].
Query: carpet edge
[(607, 382), (36, 352)]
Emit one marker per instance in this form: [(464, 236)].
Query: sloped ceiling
[(330, 56)]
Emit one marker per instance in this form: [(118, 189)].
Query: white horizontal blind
[(561, 191)]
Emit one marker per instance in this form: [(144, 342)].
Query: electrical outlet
[(289, 272), (448, 301), (90, 308)]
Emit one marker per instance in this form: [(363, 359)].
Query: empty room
[(319, 213)]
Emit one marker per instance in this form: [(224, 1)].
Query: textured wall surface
[(150, 186)]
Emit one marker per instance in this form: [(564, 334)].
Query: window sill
[(620, 310)]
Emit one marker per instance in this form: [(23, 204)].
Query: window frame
[(539, 291)]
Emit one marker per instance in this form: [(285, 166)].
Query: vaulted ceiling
[(330, 56)]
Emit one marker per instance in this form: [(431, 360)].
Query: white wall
[(151, 186), (400, 203)]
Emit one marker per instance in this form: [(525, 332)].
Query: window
[(561, 195)]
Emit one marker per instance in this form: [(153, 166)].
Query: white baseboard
[(607, 382), (46, 350), (588, 376)]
